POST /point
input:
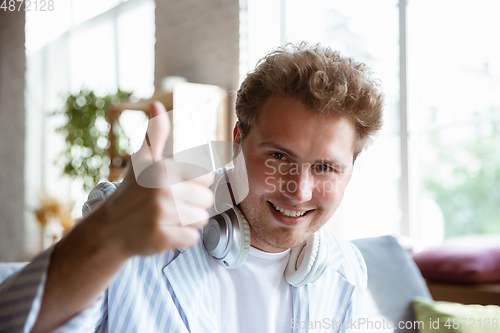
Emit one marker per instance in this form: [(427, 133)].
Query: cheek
[(263, 173), (261, 179), (329, 193)]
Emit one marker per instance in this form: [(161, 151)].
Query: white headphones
[(226, 238)]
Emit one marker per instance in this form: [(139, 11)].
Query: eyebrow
[(295, 156)]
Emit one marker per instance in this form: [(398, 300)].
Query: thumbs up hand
[(142, 217)]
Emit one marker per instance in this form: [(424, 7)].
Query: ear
[(236, 134), (237, 140)]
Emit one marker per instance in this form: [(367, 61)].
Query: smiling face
[(298, 165)]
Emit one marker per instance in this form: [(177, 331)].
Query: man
[(304, 115)]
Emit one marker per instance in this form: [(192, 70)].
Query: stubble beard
[(266, 231)]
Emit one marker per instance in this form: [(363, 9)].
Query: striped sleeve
[(21, 293)]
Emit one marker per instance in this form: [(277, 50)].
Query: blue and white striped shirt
[(171, 292)]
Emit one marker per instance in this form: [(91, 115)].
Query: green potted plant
[(86, 134)]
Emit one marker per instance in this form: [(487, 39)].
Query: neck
[(259, 244)]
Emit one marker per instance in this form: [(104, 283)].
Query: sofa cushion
[(393, 281), (437, 317), (465, 260)]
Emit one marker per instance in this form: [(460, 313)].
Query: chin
[(279, 237), (265, 229)]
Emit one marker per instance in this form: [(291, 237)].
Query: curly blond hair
[(322, 79)]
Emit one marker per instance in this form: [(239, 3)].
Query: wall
[(198, 40), (12, 130)]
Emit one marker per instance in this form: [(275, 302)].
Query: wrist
[(96, 236)]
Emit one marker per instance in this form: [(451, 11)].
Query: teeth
[(287, 212)]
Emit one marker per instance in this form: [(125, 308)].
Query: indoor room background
[(433, 172)]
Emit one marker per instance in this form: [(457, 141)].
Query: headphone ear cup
[(227, 238), (307, 262)]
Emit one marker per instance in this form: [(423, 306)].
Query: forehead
[(289, 123)]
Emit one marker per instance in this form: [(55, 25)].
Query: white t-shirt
[(254, 297)]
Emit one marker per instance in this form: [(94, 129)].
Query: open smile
[(288, 216)]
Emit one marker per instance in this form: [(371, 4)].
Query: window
[(98, 45), (454, 112), (431, 172)]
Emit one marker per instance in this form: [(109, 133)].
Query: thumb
[(158, 129), (154, 140)]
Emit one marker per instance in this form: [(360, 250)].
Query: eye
[(278, 156), (324, 167)]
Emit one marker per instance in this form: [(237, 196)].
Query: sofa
[(393, 281)]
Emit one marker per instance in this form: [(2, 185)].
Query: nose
[(299, 188)]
